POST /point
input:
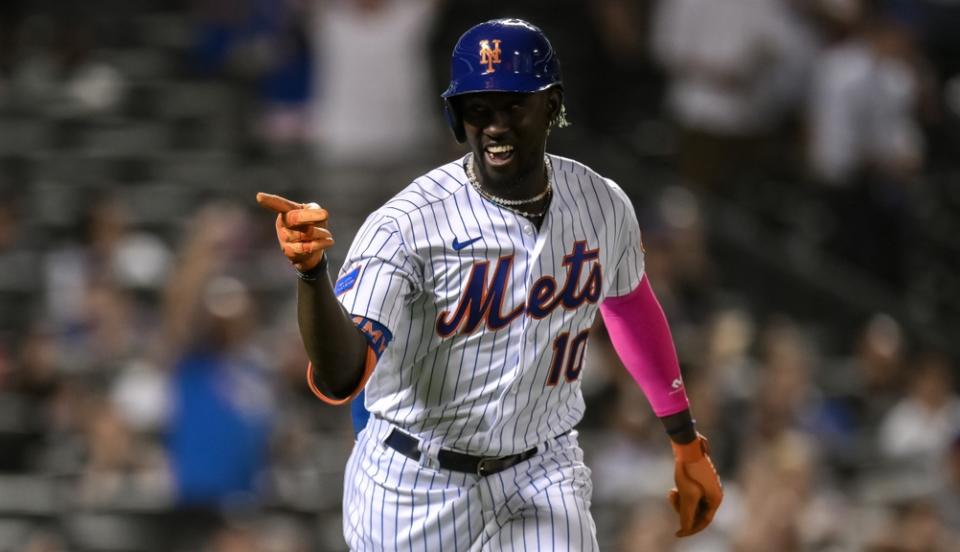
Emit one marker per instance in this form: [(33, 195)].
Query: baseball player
[(463, 310)]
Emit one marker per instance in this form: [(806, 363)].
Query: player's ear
[(554, 102)]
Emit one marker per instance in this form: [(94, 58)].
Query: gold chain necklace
[(508, 204)]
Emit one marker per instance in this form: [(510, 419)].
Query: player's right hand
[(301, 230), (698, 493)]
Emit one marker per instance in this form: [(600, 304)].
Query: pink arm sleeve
[(641, 336)]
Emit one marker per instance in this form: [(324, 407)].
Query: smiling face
[(507, 133)]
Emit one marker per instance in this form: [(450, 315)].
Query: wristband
[(691, 426), (314, 273)]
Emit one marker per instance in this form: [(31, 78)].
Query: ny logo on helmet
[(489, 56)]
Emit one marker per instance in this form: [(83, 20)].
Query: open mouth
[(498, 154)]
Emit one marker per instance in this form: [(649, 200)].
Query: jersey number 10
[(567, 356)]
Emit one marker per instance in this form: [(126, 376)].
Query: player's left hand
[(698, 492)]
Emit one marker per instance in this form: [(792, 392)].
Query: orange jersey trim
[(368, 366)]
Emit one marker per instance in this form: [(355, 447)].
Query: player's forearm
[(640, 334), (334, 345)]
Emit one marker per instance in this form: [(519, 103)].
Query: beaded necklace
[(508, 204)]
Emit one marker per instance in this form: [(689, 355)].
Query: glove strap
[(692, 451)]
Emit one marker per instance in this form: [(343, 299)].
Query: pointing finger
[(300, 217), (276, 203)]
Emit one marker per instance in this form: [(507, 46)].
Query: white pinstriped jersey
[(488, 315)]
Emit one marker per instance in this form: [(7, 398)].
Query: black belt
[(409, 446)]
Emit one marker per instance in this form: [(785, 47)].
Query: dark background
[(151, 376)]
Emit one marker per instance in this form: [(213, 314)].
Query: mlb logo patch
[(346, 281)]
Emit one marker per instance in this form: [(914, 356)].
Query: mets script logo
[(481, 301), (489, 56)]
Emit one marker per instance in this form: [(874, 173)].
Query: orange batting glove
[(301, 230), (698, 492)]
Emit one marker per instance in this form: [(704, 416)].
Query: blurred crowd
[(794, 168)]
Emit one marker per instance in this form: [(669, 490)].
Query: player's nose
[(498, 123)]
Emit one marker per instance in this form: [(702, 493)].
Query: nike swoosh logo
[(458, 245)]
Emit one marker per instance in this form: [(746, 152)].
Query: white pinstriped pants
[(391, 502)]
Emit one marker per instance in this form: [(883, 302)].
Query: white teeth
[(499, 149)]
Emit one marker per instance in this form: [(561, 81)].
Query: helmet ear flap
[(454, 120)]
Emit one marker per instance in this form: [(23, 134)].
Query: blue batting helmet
[(501, 55)]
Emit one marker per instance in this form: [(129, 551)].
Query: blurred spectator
[(109, 255), (865, 141), (677, 259), (736, 69), (788, 398), (27, 390), (948, 495), (863, 113), (221, 404), (108, 334), (918, 431), (221, 417), (874, 372), (19, 264), (629, 441), (785, 505), (773, 496), (231, 539), (59, 71), (723, 380), (122, 467), (649, 526), (934, 24), (726, 358), (373, 105), (37, 374), (140, 393), (785, 396), (263, 44), (915, 526), (618, 66), (860, 388), (258, 535)]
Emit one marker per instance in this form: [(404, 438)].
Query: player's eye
[(476, 114), (476, 111)]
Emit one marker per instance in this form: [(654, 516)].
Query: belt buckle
[(482, 469)]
